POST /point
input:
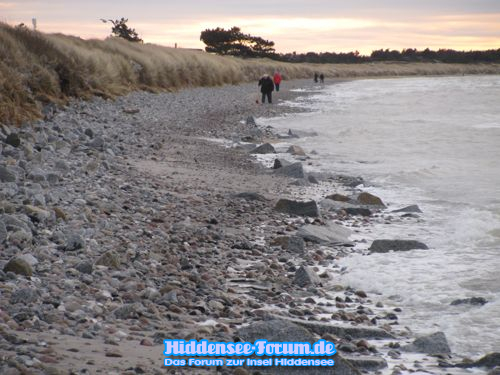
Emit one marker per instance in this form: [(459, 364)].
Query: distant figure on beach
[(266, 88), (322, 78), (316, 77), (277, 80)]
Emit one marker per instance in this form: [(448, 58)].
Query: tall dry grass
[(37, 68)]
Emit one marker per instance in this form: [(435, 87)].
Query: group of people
[(268, 84), (320, 76)]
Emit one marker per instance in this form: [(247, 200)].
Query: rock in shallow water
[(288, 206), (470, 301), (370, 199), (325, 234), (295, 170), (306, 276), (265, 148), (384, 246), (433, 344)]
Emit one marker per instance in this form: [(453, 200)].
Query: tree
[(121, 30), (234, 42)]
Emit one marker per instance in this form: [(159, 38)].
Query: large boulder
[(433, 344), (291, 207), (413, 209), (370, 199), (490, 360), (294, 244), (384, 246), (338, 197), (326, 234), (280, 330), (475, 301), (265, 148), (296, 150), (342, 331), (295, 170), (306, 276)]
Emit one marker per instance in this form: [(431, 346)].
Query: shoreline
[(134, 233)]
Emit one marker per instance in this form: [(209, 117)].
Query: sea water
[(435, 142)]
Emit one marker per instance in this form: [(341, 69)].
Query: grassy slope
[(37, 68)]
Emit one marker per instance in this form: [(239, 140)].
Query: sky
[(294, 25)]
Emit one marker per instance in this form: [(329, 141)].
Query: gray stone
[(490, 360), (265, 148), (349, 181), (325, 234), (367, 363), (62, 166), (384, 246), (18, 222), (7, 175), (85, 267), (53, 178), (97, 143), (37, 175), (295, 170), (24, 295), (306, 276), (470, 301), (312, 180), (74, 242), (342, 331), (250, 196), (294, 244), (3, 231), (251, 121), (358, 211), (89, 133), (433, 344), (280, 330), (128, 311), (13, 140), (409, 209), (290, 207)]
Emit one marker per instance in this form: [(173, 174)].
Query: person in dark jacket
[(266, 88)]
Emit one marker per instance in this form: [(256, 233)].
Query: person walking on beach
[(316, 77), (277, 80), (266, 88), (322, 78)]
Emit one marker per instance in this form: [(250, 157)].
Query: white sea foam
[(432, 142)]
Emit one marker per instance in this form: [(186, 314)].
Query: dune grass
[(37, 69)]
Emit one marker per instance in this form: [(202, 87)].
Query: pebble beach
[(165, 216)]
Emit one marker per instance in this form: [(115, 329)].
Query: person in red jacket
[(277, 80)]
